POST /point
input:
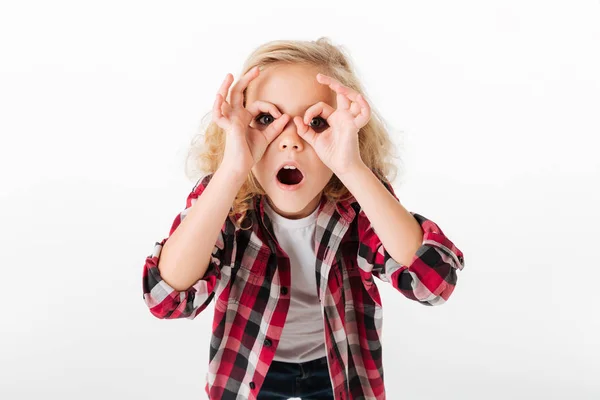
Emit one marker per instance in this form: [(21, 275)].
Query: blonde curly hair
[(376, 148)]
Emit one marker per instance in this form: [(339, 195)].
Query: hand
[(244, 145), (337, 146)]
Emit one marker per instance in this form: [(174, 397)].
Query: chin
[(290, 202)]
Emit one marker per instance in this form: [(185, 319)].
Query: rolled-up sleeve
[(431, 276), (167, 303)]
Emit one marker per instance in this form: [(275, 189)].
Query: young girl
[(288, 230)]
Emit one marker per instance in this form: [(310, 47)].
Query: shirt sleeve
[(167, 303), (431, 276)]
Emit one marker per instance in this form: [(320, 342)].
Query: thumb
[(276, 127), (305, 131)]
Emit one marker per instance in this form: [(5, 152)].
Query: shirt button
[(252, 385), (267, 342), (284, 290)]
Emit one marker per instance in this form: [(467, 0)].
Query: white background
[(495, 107)]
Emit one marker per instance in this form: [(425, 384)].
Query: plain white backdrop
[(494, 106)]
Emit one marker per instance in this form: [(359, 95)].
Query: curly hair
[(375, 146)]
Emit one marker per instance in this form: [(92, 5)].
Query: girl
[(288, 230)]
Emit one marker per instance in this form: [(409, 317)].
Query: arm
[(179, 278), (399, 246)]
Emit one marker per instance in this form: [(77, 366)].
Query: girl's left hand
[(337, 146)]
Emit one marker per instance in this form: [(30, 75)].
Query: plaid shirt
[(249, 278)]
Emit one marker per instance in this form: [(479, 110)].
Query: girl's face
[(292, 89)]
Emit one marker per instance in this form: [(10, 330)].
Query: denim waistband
[(317, 361)]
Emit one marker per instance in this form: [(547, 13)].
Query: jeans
[(308, 381)]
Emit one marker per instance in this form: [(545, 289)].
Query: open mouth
[(290, 176)]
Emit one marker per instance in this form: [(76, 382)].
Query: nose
[(289, 138)]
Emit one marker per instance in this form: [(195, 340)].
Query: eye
[(264, 115), (323, 123)]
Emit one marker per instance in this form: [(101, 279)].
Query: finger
[(225, 86), (262, 106), (321, 108), (225, 109), (217, 115), (275, 128), (237, 92), (305, 131), (338, 87), (365, 113), (343, 103), (355, 108)]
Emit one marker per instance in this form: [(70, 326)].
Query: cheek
[(323, 169), (260, 170), (321, 176)]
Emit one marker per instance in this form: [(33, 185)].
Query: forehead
[(292, 87)]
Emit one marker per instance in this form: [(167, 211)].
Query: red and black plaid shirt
[(249, 278)]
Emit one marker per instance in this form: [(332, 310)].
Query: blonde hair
[(376, 147)]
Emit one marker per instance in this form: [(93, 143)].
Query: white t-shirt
[(302, 338)]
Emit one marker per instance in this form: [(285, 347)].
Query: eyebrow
[(305, 107)]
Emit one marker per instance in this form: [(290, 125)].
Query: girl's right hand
[(244, 145)]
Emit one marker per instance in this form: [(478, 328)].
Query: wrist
[(236, 176), (352, 171)]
